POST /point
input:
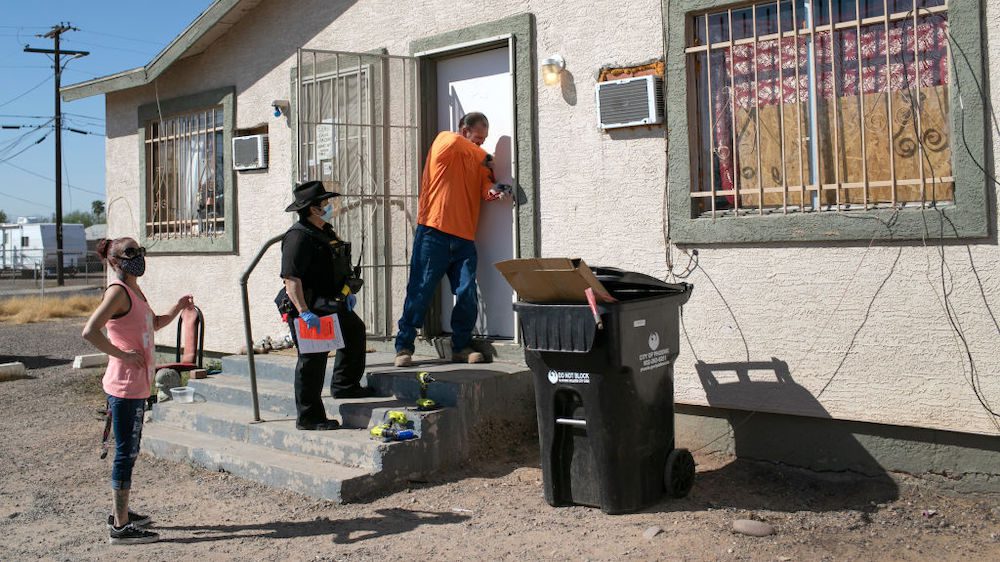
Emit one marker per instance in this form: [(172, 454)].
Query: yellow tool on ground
[(424, 403), (395, 426), (396, 416)]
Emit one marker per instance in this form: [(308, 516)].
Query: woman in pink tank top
[(130, 324)]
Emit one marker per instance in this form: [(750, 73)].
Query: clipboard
[(323, 340)]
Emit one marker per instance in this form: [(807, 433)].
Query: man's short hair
[(306, 212), (470, 120)]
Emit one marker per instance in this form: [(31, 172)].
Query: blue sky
[(120, 34)]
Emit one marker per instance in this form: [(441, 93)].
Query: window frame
[(969, 217), (227, 241)]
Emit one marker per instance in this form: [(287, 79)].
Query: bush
[(24, 310)]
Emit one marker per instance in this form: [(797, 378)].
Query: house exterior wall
[(820, 329)]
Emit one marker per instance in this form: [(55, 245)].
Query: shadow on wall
[(268, 20), (826, 447), (567, 83)]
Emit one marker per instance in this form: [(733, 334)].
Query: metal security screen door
[(356, 129)]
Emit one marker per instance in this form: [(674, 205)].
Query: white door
[(482, 82)]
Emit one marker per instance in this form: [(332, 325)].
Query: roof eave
[(169, 55)]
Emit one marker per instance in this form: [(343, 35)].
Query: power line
[(101, 119), (82, 132), (19, 152), (28, 91), (40, 176), (21, 199), (8, 115), (13, 143), (110, 48), (121, 37)]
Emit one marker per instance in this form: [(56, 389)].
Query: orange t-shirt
[(453, 186)]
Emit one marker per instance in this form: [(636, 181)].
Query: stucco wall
[(601, 197)]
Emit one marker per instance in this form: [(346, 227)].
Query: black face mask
[(133, 266)]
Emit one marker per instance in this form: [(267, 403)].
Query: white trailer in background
[(32, 246)]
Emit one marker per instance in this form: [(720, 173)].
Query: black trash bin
[(605, 396)]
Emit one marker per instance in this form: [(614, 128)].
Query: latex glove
[(310, 319), (351, 301)]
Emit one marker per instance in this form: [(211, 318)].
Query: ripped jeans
[(126, 419)]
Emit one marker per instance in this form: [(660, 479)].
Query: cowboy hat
[(309, 193)]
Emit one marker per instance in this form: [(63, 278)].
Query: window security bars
[(357, 131), (185, 190), (819, 105)]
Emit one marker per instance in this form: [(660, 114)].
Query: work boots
[(403, 358), (467, 355)]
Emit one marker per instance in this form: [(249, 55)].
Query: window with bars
[(819, 105), (337, 125), (185, 186)]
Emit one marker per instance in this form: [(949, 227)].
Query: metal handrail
[(246, 321)]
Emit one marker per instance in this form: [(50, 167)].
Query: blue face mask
[(327, 213)]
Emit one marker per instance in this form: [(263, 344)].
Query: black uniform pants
[(310, 371)]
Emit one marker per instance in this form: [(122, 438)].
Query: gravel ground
[(54, 497)]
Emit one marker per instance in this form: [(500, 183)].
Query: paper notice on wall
[(324, 140), (324, 339), (327, 168)]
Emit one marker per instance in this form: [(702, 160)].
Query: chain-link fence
[(32, 272)]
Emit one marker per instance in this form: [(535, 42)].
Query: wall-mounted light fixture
[(552, 68)]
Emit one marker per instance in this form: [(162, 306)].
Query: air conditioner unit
[(250, 152), (630, 102)]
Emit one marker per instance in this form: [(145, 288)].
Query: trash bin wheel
[(679, 473)]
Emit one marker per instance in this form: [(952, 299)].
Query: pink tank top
[(132, 332)]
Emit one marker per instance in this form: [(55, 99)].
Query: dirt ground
[(54, 497)]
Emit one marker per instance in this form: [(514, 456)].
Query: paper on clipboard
[(325, 339)]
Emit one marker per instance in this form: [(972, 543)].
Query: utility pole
[(54, 34)]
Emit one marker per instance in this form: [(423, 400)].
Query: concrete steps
[(217, 431), (278, 398), (272, 467), (347, 447)]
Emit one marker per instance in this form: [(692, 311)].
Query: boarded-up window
[(816, 105), (185, 188)]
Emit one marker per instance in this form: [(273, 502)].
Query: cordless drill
[(388, 432), (395, 426), (424, 403)]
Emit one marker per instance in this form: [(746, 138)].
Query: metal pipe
[(246, 321), (572, 422)]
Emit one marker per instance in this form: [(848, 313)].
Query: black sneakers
[(130, 534), (133, 518)]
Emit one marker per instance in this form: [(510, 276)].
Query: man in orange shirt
[(457, 178)]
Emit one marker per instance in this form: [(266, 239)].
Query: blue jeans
[(435, 254), (126, 420)]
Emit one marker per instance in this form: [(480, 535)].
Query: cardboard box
[(562, 280)]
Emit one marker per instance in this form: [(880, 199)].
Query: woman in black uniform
[(316, 268)]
